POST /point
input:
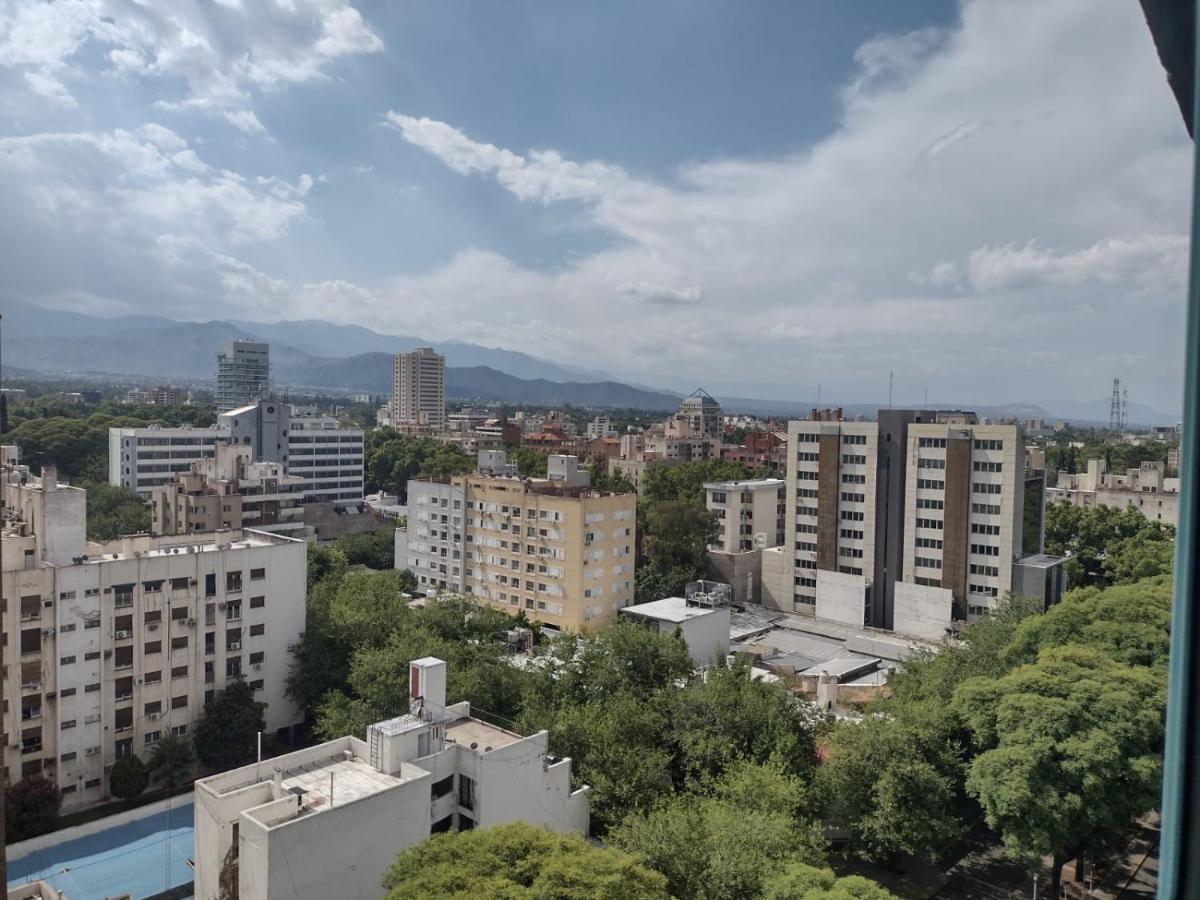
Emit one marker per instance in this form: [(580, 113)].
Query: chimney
[(427, 683)]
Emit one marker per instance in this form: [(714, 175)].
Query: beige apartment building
[(112, 646), (419, 389), (752, 516), (229, 491), (561, 552)]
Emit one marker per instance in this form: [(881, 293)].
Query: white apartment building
[(435, 536), (1144, 488), (752, 514), (328, 456), (122, 643), (243, 374), (327, 821), (600, 427), (419, 389), (143, 459)]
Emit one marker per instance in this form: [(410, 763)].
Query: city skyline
[(835, 198)]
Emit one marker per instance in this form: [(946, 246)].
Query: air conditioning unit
[(91, 751), (156, 715), (14, 746), (108, 768), (107, 654), (236, 645), (47, 632), (191, 623), (139, 679), (221, 606), (153, 626), (257, 667), (123, 635)]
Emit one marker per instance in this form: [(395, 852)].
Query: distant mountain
[(52, 340), (149, 346), (1139, 413)]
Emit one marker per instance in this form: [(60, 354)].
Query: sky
[(988, 199)]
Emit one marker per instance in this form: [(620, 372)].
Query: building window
[(258, 574), (258, 602)]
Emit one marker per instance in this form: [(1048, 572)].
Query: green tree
[(519, 861), (373, 549), (391, 459), (226, 735), (324, 563), (128, 778), (800, 881), (31, 808), (530, 461), (1089, 535), (722, 843), (173, 762), (673, 547), (1142, 556), (1069, 752), (113, 511)]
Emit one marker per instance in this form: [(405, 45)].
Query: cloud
[(954, 169), (656, 293), (219, 54)]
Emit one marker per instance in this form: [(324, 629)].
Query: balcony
[(121, 698), (31, 714), (31, 746)]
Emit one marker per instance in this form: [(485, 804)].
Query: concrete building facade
[(419, 389), (143, 459), (327, 821), (435, 536), (229, 491), (243, 374), (114, 646), (562, 553), (1145, 488)]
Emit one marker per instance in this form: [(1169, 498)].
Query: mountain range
[(306, 354), (313, 354)]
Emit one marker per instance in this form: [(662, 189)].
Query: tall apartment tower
[(243, 374), (908, 523), (419, 389)]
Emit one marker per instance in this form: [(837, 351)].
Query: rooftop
[(338, 780), (752, 484), (475, 734), (143, 546), (669, 609)]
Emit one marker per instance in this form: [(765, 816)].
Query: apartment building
[(435, 535), (119, 644), (562, 553), (600, 427), (243, 374), (908, 523), (752, 514), (1145, 488), (327, 821), (964, 509), (163, 395), (229, 491), (419, 389), (143, 459)]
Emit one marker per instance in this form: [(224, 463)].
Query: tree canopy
[(113, 511), (391, 459), (128, 778), (518, 861), (1107, 545), (226, 735)]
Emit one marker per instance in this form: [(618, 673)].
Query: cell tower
[(1114, 410), (1124, 409)]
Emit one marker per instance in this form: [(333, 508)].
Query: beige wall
[(581, 567)]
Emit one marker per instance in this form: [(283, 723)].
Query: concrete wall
[(776, 579), (512, 786), (309, 858), (841, 597), (922, 611), (707, 637), (741, 571)]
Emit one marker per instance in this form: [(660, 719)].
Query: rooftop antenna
[(1114, 409), (890, 374)]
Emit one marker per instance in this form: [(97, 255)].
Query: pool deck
[(143, 858)]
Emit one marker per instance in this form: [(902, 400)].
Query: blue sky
[(988, 198)]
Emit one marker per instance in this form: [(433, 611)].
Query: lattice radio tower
[(1114, 411)]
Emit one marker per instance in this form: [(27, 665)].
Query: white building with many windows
[(114, 645), (435, 536), (143, 459), (327, 821)]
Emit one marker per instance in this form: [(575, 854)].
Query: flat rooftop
[(160, 547), (749, 484), (142, 858), (1040, 560), (338, 781), (468, 732), (669, 609)]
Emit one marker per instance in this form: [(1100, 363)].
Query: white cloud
[(955, 168), (244, 120), (218, 53)]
